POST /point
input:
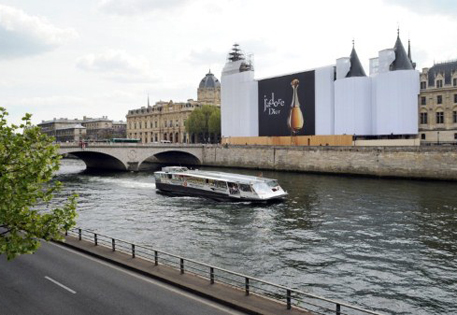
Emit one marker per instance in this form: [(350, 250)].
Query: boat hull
[(179, 190)]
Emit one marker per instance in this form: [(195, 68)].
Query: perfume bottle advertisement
[(287, 105)]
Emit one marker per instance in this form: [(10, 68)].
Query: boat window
[(245, 187), (233, 188), (261, 188), (222, 185), (273, 183)]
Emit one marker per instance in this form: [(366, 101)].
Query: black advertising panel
[(287, 105)]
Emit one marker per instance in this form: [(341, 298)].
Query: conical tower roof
[(402, 61), (356, 66)]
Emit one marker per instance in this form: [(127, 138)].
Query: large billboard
[(287, 105)]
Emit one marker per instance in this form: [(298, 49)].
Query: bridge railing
[(118, 144), (250, 285)]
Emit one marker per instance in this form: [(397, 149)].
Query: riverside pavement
[(223, 294)]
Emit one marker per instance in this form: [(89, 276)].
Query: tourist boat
[(180, 180)]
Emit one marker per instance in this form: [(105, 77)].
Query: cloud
[(23, 35), (116, 65), (441, 7), (137, 7), (207, 57)]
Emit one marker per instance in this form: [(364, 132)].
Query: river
[(386, 244)]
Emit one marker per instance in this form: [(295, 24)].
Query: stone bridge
[(132, 156)]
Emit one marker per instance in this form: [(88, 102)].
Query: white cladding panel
[(353, 106), (239, 105), (324, 105), (343, 66), (395, 109)]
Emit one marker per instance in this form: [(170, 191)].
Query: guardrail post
[(79, 234), (289, 299), (181, 265), (246, 285), (95, 239), (156, 258), (338, 309), (113, 244), (133, 250), (211, 275)]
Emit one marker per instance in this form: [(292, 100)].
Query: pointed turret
[(402, 61), (356, 69)]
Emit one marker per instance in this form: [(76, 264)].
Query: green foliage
[(204, 121), (214, 123), (28, 161), (196, 122)]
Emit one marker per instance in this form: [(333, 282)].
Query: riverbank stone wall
[(409, 162)]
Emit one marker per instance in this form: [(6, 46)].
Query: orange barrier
[(343, 140)]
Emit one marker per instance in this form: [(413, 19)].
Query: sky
[(62, 58)]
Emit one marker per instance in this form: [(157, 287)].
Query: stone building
[(438, 104), (88, 129), (165, 121), (60, 129), (74, 133), (209, 90), (104, 128)]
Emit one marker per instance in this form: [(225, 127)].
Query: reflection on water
[(381, 243)]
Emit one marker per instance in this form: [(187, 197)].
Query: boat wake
[(124, 183)]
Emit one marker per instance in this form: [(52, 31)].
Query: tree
[(201, 123), (214, 123), (28, 161)]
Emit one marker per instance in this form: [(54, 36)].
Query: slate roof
[(402, 61), (356, 67), (446, 68), (209, 81)]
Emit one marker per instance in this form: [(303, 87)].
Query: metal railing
[(250, 285)]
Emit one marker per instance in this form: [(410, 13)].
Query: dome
[(209, 81)]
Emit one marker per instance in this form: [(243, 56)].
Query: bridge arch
[(172, 157), (98, 160)]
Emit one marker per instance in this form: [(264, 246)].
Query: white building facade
[(335, 100)]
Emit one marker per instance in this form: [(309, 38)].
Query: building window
[(440, 117), (455, 136), (454, 117), (423, 118), (165, 125), (455, 98), (439, 99), (177, 123), (439, 83), (423, 136), (423, 85), (155, 123), (423, 100), (454, 82)]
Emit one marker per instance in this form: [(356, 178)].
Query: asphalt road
[(58, 280)]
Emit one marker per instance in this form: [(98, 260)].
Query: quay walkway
[(240, 292)]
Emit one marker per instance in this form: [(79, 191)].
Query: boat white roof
[(238, 178)]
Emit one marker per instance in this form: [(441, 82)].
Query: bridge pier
[(133, 166)]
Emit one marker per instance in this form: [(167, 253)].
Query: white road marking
[(155, 282), (60, 284)]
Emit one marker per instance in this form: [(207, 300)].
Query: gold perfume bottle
[(295, 120)]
